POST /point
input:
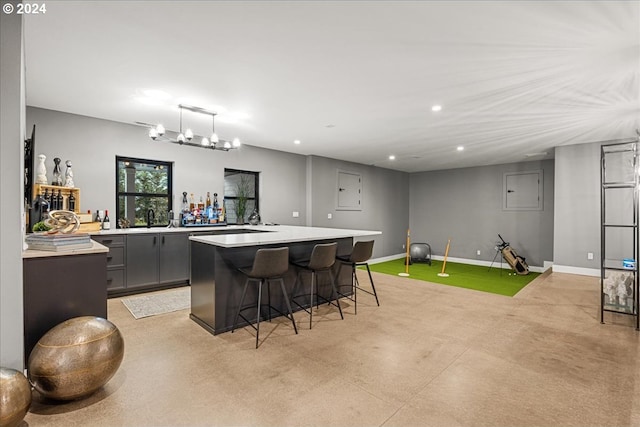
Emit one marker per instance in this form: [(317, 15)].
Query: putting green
[(479, 278)]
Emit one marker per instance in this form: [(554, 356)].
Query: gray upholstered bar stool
[(323, 256), (269, 265), (360, 254)]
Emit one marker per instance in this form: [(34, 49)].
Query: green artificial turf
[(467, 276)]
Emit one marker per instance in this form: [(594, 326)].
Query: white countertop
[(96, 248), (274, 234)]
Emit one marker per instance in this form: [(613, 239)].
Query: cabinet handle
[(107, 241), (109, 258), (109, 280), (163, 240), (154, 240)]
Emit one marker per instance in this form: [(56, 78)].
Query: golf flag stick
[(444, 264), (406, 260)]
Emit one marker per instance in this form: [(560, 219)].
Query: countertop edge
[(96, 248)]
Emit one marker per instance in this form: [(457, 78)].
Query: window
[(143, 185), (240, 194)]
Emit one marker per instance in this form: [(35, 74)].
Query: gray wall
[(385, 202), (289, 182), (92, 144), (12, 134), (577, 202), (466, 206)]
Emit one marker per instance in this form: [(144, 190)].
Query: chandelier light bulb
[(153, 133), (160, 129), (181, 138), (227, 145), (205, 142), (188, 134), (236, 142), (214, 138)]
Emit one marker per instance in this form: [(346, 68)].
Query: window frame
[(229, 200), (168, 195)]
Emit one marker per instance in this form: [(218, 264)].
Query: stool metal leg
[(286, 299), (258, 313), (375, 294), (313, 276), (354, 286), (244, 292), (335, 293)]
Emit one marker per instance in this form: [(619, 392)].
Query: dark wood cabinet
[(174, 257), (60, 287), (115, 260), (142, 260)]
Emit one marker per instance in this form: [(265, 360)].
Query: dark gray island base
[(216, 284)]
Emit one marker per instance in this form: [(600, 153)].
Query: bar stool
[(359, 255), (322, 259), (269, 265)]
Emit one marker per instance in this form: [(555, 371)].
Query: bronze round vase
[(76, 358), (15, 397)]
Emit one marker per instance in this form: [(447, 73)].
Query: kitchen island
[(216, 284)]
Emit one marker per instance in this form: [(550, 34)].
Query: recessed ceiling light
[(460, 148), (330, 126), (392, 157), (436, 108), (297, 142)]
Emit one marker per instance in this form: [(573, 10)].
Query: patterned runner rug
[(158, 302)]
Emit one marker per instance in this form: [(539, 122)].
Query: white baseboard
[(576, 270), (496, 264)]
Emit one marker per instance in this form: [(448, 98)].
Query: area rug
[(158, 303), (480, 278)]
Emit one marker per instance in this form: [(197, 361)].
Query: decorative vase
[(240, 220), (68, 176), (57, 174), (41, 177), (254, 218)]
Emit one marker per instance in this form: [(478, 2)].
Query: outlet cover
[(589, 255), (478, 252), (329, 216), (296, 214)]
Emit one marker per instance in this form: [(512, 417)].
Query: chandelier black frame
[(157, 133)]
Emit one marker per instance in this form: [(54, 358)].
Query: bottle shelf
[(64, 191)]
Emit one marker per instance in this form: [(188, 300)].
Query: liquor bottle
[(98, 219), (201, 205), (71, 202), (192, 204), (185, 203), (106, 223)]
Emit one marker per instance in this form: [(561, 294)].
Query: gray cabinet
[(142, 260), (115, 260), (174, 257)]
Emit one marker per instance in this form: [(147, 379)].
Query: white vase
[(41, 177)]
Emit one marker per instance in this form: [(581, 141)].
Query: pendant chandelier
[(157, 133)]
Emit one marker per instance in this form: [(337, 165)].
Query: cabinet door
[(142, 260), (174, 257)]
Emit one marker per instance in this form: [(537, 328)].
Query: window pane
[(135, 208), (143, 185), (134, 177)]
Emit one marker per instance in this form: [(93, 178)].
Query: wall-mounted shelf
[(65, 191)]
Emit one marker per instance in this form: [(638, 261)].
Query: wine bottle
[(71, 201), (106, 223), (98, 219)]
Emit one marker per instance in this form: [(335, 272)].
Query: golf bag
[(517, 263)]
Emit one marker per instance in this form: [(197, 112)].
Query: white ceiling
[(513, 78)]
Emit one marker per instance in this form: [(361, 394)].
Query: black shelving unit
[(619, 238)]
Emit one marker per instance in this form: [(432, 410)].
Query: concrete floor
[(430, 355)]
